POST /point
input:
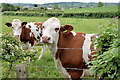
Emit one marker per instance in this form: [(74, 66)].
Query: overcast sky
[(52, 1)]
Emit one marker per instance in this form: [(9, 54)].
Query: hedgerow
[(108, 58), (60, 14)]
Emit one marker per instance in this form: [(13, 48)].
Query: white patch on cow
[(82, 74), (16, 26), (74, 33), (86, 47), (83, 35), (30, 34), (42, 51), (33, 29), (61, 69)]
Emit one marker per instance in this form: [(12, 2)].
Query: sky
[(52, 1)]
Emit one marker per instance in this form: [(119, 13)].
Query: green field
[(80, 25), (96, 9)]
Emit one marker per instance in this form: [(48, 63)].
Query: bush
[(12, 53), (107, 61)]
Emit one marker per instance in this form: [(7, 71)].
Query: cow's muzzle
[(46, 39), (17, 36)]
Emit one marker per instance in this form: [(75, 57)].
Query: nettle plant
[(108, 58), (12, 53)]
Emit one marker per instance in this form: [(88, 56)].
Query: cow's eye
[(43, 26), (56, 29)]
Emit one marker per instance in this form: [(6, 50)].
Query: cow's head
[(16, 26), (52, 29)]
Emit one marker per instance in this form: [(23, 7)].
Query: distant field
[(80, 25), (96, 9)]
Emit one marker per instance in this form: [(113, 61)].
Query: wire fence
[(53, 67)]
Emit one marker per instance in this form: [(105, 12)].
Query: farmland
[(96, 9), (80, 25)]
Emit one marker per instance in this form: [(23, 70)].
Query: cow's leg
[(24, 46), (61, 69), (42, 52), (29, 46)]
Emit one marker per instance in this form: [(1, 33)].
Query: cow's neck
[(53, 48)]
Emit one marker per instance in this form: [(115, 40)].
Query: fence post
[(22, 72)]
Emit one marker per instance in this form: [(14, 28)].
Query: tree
[(56, 6), (11, 7), (100, 4), (17, 8), (8, 7), (5, 7), (35, 5)]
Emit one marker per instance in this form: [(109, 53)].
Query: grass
[(96, 9), (80, 25)]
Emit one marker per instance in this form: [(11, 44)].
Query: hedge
[(78, 15)]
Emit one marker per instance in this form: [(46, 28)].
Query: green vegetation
[(95, 9), (77, 15), (9, 7), (12, 53), (99, 4), (80, 25), (108, 57)]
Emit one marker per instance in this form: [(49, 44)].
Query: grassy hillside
[(96, 9)]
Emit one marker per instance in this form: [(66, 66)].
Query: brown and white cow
[(70, 49), (29, 33)]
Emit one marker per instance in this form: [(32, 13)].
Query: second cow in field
[(71, 50), (29, 33)]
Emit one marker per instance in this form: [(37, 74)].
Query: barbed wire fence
[(23, 67)]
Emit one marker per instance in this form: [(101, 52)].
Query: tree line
[(9, 7)]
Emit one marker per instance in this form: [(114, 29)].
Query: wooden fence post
[(22, 72)]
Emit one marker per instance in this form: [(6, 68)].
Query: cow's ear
[(8, 24), (23, 23), (66, 28)]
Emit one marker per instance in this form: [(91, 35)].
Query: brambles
[(107, 61)]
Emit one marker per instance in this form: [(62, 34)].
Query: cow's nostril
[(16, 35), (49, 38)]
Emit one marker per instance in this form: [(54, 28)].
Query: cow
[(71, 50), (29, 33)]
